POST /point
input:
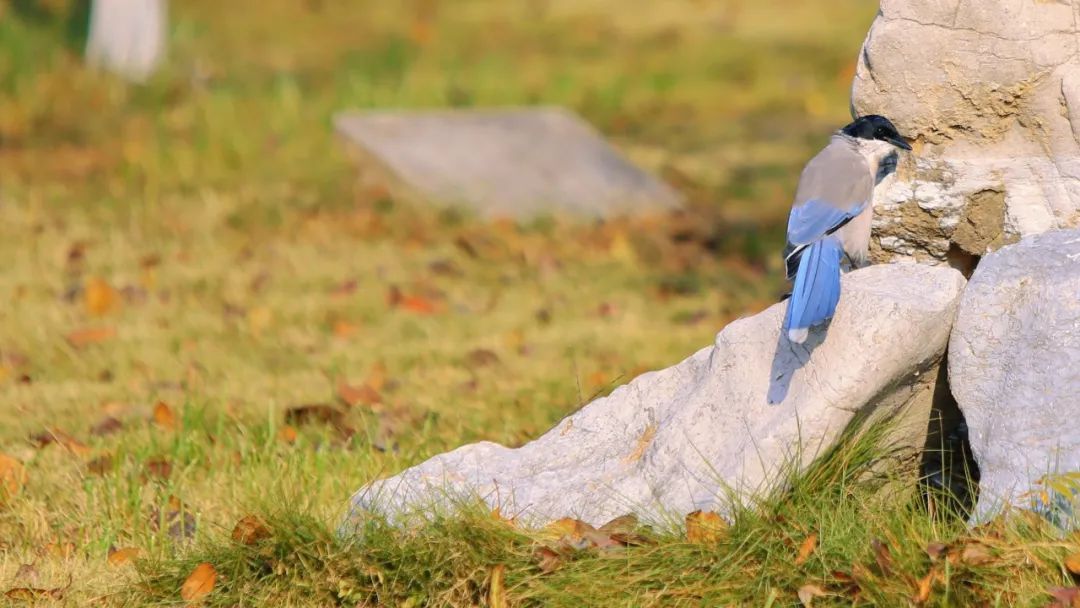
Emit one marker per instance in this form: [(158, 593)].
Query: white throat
[(873, 150)]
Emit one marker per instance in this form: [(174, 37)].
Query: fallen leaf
[(882, 556), (164, 416), (107, 426), (91, 335), (357, 395), (344, 329), (99, 297), (319, 413), (1065, 597), (936, 550), (1073, 563), (705, 527), (481, 357), (12, 476), (376, 378), (287, 434), (199, 583), (62, 439), (412, 303), (159, 467), (100, 465), (975, 554), (119, 557), (32, 594), (923, 588), (497, 588), (808, 592), (549, 560), (250, 530), (806, 549)]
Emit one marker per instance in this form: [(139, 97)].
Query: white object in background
[(127, 36)]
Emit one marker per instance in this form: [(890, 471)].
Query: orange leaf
[(806, 549), (119, 557), (377, 377), (287, 434), (164, 416), (1073, 563), (199, 583), (250, 530), (90, 335), (99, 297), (923, 588), (497, 590), (704, 527), (12, 476), (419, 305), (357, 395), (344, 329)]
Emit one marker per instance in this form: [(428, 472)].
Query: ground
[(205, 320)]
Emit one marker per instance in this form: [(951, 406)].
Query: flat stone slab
[(731, 420), (1014, 368), (516, 163)]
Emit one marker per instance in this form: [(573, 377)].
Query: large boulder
[(734, 417), (990, 90), (1014, 368)]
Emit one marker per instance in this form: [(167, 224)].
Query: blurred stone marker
[(516, 163), (127, 37)]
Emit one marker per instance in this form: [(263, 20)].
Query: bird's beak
[(899, 143)]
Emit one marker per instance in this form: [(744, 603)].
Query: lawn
[(204, 318)]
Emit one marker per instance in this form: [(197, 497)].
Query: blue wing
[(816, 218)]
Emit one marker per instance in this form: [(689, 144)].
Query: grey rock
[(127, 36), (989, 90), (730, 420), (1014, 368), (517, 163)]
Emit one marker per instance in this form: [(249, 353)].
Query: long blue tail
[(817, 288)]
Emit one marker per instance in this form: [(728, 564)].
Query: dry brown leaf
[(481, 357), (12, 476), (319, 413), (625, 530), (64, 440), (250, 530), (1072, 562), (936, 550), (412, 303), (975, 554), (119, 557), (99, 297), (33, 594), (107, 426), (159, 467), (1065, 597), (287, 434), (90, 335), (549, 560), (808, 592), (923, 588), (101, 465), (357, 395), (806, 549), (164, 416), (199, 583), (882, 556), (497, 588), (705, 527)]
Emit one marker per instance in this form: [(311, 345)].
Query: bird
[(830, 219)]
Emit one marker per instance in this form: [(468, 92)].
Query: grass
[(200, 243)]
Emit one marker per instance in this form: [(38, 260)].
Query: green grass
[(247, 274)]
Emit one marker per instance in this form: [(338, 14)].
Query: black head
[(877, 127)]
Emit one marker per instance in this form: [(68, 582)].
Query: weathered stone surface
[(517, 163), (1014, 367), (127, 36), (991, 91), (730, 417)]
